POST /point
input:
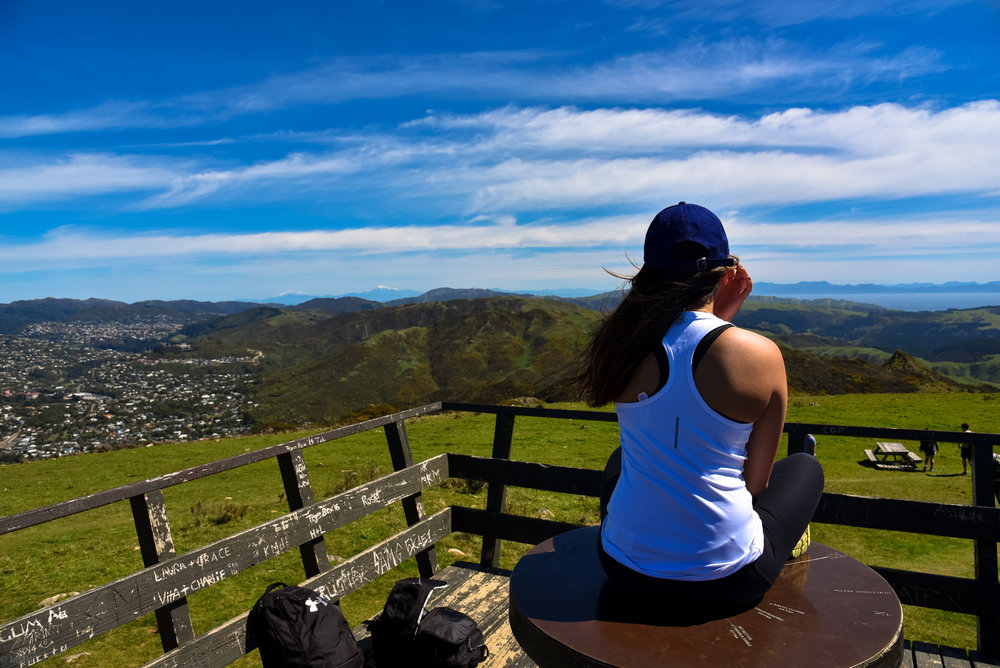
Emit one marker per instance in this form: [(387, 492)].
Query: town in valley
[(75, 387)]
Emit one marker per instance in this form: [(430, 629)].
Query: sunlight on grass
[(87, 550)]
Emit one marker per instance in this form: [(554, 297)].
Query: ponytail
[(631, 332)]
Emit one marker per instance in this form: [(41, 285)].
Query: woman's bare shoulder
[(737, 340), (740, 374)]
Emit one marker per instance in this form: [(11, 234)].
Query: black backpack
[(406, 635), (448, 638), (296, 627)]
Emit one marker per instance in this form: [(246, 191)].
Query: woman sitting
[(701, 513)]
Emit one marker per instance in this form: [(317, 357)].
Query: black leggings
[(785, 509)]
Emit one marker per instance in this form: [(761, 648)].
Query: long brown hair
[(652, 302)]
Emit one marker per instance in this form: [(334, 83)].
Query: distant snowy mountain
[(286, 298), (948, 295), (384, 293)]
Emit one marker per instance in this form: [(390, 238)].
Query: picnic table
[(893, 456)]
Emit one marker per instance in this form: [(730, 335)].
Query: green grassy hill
[(84, 551), (318, 365), (962, 343), (482, 350)]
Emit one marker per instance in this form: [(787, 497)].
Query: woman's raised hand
[(735, 289)]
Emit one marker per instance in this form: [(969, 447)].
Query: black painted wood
[(549, 477), (529, 530), (987, 626), (34, 637), (298, 492), (937, 519), (69, 622), (228, 642), (413, 506), (559, 413), (943, 592), (496, 495), (890, 433), (149, 512)]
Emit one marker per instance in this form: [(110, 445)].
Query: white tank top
[(681, 509)]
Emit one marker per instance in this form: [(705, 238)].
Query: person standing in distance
[(965, 450)]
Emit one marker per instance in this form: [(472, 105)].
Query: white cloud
[(106, 116), (779, 13), (81, 175), (691, 70), (513, 161), (612, 238)]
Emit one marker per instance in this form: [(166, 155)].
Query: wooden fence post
[(987, 628), (149, 512), (496, 496), (413, 505), (298, 491)]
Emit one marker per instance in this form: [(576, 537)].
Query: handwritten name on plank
[(111, 605), (377, 560), (220, 646)]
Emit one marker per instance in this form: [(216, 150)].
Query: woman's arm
[(762, 446), (742, 377)]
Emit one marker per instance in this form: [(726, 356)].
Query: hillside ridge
[(479, 345)]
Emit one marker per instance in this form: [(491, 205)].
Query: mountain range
[(328, 357), (384, 293)]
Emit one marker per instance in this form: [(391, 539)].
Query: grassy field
[(77, 553)]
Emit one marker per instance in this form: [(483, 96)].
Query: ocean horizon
[(904, 301)]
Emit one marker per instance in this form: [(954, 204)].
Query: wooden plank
[(483, 595), (228, 642), (298, 492), (496, 494), (981, 660), (883, 433), (82, 617), (96, 500), (871, 456), (149, 513), (926, 655), (938, 519), (907, 655), (985, 550), (529, 530), (887, 433), (953, 657), (413, 506), (943, 592), (531, 475), (561, 413)]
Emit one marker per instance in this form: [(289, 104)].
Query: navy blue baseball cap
[(686, 222)]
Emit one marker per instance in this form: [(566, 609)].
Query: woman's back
[(741, 376), (681, 509)]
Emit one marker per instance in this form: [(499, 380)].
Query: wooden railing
[(162, 585), (980, 522)]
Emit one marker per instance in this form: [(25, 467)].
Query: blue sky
[(218, 150)]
